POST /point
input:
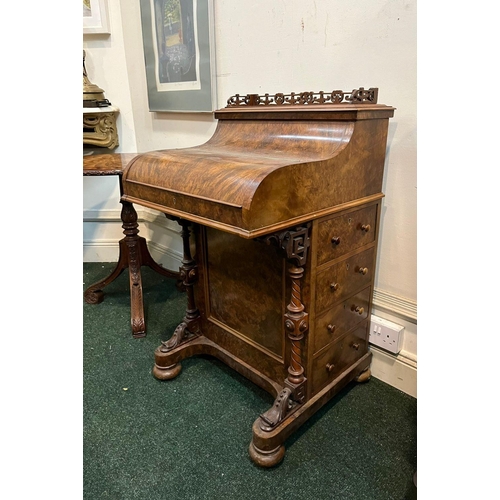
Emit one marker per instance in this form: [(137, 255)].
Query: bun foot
[(168, 372), (364, 376), (266, 458)]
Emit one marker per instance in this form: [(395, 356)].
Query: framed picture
[(179, 54), (95, 16)]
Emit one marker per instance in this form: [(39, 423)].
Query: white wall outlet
[(386, 334)]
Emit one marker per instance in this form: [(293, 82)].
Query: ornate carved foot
[(160, 371), (266, 448), (265, 458), (364, 376), (93, 296), (181, 333), (281, 406)]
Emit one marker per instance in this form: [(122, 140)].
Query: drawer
[(342, 279), (339, 357), (345, 233), (341, 318)]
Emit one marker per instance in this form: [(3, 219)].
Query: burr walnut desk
[(283, 203), (134, 252)]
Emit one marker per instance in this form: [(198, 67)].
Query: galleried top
[(273, 162), (356, 96)]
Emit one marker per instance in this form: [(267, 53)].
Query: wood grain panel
[(107, 164), (339, 319), (344, 233), (245, 287), (342, 279), (341, 354)]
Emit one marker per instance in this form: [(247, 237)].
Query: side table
[(134, 252)]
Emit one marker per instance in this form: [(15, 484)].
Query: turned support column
[(295, 243), (296, 325), (189, 327)]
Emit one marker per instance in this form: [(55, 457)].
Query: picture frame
[(95, 17), (179, 55)]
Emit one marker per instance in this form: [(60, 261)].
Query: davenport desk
[(280, 217)]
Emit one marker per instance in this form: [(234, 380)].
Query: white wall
[(279, 46)]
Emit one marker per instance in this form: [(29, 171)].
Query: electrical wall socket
[(386, 334)]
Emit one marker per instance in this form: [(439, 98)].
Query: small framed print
[(95, 16)]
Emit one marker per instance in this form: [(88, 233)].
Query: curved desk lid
[(258, 172)]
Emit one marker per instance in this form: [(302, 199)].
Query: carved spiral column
[(296, 324), (295, 243)]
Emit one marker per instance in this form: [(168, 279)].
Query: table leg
[(133, 255)]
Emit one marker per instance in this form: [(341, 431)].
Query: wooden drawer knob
[(358, 309), (331, 328), (365, 227), (363, 270), (355, 346), (334, 287), (336, 240), (330, 366)]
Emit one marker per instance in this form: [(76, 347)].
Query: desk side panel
[(354, 173)]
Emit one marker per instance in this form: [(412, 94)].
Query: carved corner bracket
[(294, 242)]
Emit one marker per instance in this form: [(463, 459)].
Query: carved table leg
[(94, 294), (189, 327), (133, 255), (266, 448), (133, 244)]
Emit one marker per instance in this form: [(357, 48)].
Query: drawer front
[(340, 280), (345, 233), (341, 318), (338, 357)]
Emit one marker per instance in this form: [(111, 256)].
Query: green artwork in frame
[(178, 53)]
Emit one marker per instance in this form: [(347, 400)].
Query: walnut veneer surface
[(106, 164), (280, 214)]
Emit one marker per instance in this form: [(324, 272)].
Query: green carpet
[(188, 438)]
